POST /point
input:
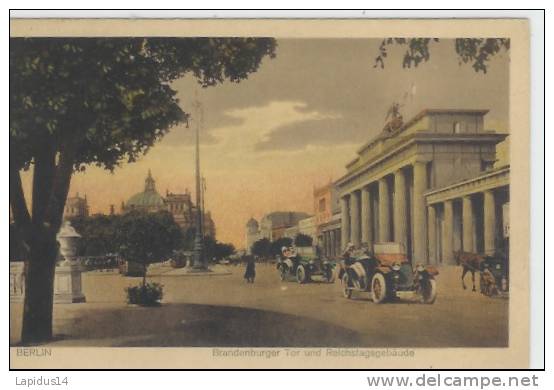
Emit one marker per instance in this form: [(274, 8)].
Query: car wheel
[(428, 291), (283, 273), (504, 284), (330, 275), (301, 275), (379, 288), (346, 289)]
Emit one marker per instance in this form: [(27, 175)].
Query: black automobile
[(494, 278), (303, 264)]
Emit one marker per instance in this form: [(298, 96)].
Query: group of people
[(350, 252)]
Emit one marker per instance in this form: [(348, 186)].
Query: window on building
[(457, 127), (487, 165), (322, 205)]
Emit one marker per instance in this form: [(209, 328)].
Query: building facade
[(179, 205), (429, 184), (76, 206), (307, 227), (327, 219), (273, 226)]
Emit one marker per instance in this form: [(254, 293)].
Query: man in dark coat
[(250, 273)]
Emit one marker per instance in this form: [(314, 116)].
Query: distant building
[(76, 206), (252, 234), (272, 226), (148, 200), (291, 232), (307, 227), (327, 219), (179, 205)]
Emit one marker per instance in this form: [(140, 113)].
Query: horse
[(470, 262)]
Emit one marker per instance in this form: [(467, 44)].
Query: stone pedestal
[(67, 279), (17, 281), (67, 283)]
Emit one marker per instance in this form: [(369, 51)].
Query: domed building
[(179, 205), (148, 200)]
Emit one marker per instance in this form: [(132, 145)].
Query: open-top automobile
[(385, 272)]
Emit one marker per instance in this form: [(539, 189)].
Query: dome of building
[(148, 199)]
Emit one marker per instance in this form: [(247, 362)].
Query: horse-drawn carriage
[(386, 272), (303, 264), (492, 269)]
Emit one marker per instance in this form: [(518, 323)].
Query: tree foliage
[(261, 248), (214, 249), (97, 234), (110, 99), (146, 238), (474, 51), (304, 240)]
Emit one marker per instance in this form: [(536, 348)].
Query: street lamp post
[(199, 258)]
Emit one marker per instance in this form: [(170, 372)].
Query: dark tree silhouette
[(474, 51), (146, 238), (261, 248), (303, 240)]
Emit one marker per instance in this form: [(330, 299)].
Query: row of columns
[(356, 212), (468, 220), (331, 242)]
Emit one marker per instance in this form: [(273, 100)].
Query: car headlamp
[(396, 267), (420, 268)]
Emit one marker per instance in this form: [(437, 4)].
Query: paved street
[(225, 311)]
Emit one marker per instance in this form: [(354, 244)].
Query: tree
[(261, 248), (303, 240), (102, 101), (475, 51), (97, 234), (146, 238), (214, 249)]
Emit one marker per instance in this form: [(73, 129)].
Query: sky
[(294, 124)]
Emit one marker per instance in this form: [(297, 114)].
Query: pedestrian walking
[(250, 273)]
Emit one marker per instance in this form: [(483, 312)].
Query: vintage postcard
[(269, 193)]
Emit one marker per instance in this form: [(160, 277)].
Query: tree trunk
[(39, 291), (50, 185)]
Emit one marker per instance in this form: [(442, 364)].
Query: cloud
[(301, 135), (258, 125)]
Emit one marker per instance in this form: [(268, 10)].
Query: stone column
[(432, 228), (384, 215), (448, 233), (332, 243), (419, 210), (400, 211), (467, 222), (366, 217), (344, 222), (489, 216), (355, 218)]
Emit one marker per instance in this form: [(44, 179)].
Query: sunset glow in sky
[(267, 141)]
